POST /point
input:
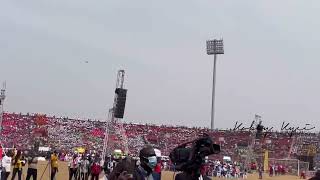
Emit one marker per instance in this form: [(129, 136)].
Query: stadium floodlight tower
[(112, 117), (2, 98), (214, 47)]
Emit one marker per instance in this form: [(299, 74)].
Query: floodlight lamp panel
[(215, 47)]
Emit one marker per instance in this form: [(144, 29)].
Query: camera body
[(190, 159)]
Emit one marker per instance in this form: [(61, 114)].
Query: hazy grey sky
[(270, 67)]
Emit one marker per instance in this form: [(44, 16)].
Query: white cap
[(158, 152)]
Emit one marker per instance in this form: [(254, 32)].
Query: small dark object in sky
[(87, 62)]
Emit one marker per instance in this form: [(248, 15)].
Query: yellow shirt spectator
[(54, 161), (17, 164)]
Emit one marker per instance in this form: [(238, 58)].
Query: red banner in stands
[(41, 120), (8, 123), (97, 133)]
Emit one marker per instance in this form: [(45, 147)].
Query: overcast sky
[(270, 66)]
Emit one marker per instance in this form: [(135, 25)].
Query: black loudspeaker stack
[(120, 102)]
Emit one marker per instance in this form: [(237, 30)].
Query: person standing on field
[(54, 164)]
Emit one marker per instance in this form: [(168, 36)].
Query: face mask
[(152, 161)]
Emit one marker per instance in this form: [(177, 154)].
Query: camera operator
[(190, 160)]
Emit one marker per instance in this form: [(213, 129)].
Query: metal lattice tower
[(293, 142), (113, 122), (251, 148), (106, 135), (2, 98)]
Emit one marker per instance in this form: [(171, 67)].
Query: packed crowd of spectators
[(20, 130)]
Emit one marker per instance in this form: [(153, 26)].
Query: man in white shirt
[(84, 167), (73, 167), (6, 164)]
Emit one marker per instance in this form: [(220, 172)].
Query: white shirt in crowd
[(74, 163), (85, 166), (6, 163), (68, 159)]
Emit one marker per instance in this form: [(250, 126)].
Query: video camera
[(191, 158)]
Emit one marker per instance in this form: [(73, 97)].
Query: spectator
[(73, 168), (6, 164), (84, 165), (32, 167), (260, 169), (303, 175), (271, 171), (17, 165), (95, 170), (54, 164)]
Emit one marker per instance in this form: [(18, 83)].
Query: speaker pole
[(113, 120), (106, 135)]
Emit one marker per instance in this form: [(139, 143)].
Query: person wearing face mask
[(127, 169), (148, 161)]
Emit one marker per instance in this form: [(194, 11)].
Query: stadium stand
[(20, 130)]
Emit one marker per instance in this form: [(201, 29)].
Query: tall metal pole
[(298, 167), (1, 114), (2, 98), (214, 47), (213, 90)]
